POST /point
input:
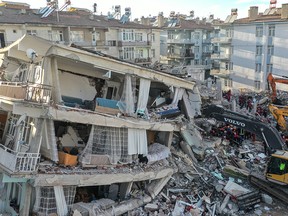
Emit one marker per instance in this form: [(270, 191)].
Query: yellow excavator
[(277, 166), (279, 112)]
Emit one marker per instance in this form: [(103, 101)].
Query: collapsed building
[(75, 123)]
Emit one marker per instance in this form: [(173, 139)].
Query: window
[(111, 43), (153, 53), (128, 35), (196, 62), (232, 50), (228, 82), (196, 49), (58, 36), (258, 50), (271, 30), (139, 54), (170, 35), (226, 65), (259, 31), (197, 35), (274, 166), (128, 53), (270, 50), (258, 68), (153, 37), (95, 37), (138, 36), (50, 35), (269, 68), (257, 85), (77, 36), (229, 33), (31, 32)]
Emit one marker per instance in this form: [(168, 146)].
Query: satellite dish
[(31, 54), (108, 74)]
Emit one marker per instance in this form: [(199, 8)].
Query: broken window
[(143, 96), (127, 101), (46, 200), (108, 144)]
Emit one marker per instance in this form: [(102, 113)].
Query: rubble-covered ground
[(214, 186), (218, 184)]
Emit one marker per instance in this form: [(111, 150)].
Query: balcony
[(134, 43), (181, 41), (220, 56), (181, 56), (26, 91), (142, 60), (222, 40), (219, 72), (18, 162)]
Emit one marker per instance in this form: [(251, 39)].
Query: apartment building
[(116, 37), (258, 47), (186, 41), (222, 49), (73, 124)]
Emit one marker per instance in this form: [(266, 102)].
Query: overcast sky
[(139, 8)]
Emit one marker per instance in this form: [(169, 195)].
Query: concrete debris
[(267, 199), (234, 189)]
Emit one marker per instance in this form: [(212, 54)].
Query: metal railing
[(38, 93), (20, 162), (31, 92)]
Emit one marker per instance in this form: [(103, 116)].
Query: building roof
[(269, 15), (66, 18), (179, 23)]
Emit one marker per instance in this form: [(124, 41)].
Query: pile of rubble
[(218, 185)]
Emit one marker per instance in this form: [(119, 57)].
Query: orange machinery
[(272, 84)]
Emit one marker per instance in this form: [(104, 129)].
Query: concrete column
[(55, 80), (26, 199)]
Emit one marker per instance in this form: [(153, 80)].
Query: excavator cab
[(277, 168)]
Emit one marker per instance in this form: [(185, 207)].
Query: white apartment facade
[(258, 47)]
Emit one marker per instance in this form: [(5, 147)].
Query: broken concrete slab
[(267, 199), (151, 207), (178, 209), (235, 189)]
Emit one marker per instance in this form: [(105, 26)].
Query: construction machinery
[(277, 167), (271, 80), (279, 113)]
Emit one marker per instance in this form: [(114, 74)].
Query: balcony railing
[(142, 60), (27, 91), (18, 162), (182, 41), (220, 56), (134, 43), (221, 40), (38, 93)]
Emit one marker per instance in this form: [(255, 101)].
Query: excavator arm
[(269, 134), (272, 85)]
